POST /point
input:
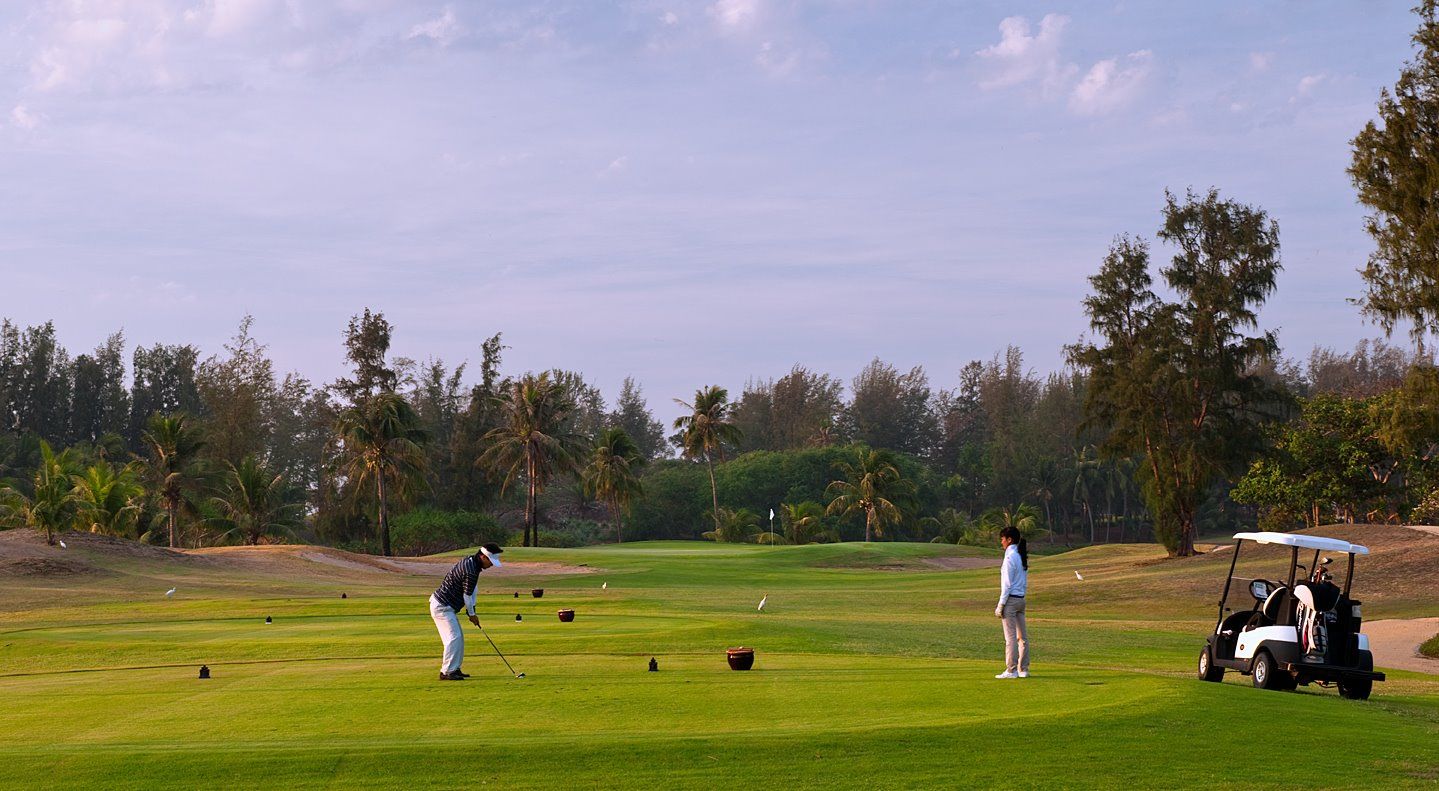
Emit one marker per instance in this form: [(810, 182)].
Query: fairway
[(874, 669)]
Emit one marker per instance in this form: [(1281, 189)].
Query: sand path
[(1396, 643)]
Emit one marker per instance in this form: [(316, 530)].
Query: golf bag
[(1314, 615)]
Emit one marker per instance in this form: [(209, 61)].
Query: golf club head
[(519, 675)]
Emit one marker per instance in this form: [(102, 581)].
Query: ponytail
[(1017, 538)]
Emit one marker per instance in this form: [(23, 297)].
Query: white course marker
[(762, 603)]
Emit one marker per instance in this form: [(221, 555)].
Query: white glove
[(999, 611)]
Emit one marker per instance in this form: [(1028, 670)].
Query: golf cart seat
[(1276, 605)]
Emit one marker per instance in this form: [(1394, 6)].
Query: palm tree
[(1121, 479), (1023, 517), (705, 431), (733, 526), (952, 526), (1088, 474), (381, 441), (801, 521), (612, 474), (873, 486), (255, 503), (52, 505), (536, 439), (109, 499), (173, 446), (1047, 480)]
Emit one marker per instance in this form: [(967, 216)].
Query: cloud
[(442, 30), (1108, 85), (25, 118), (1020, 57), (1306, 89), (670, 19), (1260, 61), (129, 46), (735, 14), (1026, 56), (233, 17), (74, 47), (776, 60)]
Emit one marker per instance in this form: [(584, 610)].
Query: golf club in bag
[(502, 656)]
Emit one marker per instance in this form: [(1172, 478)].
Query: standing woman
[(1013, 583)]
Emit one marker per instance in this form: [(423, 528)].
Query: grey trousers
[(1016, 637)]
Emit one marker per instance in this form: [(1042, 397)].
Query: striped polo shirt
[(459, 584)]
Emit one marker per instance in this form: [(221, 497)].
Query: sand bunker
[(963, 564), (429, 567)]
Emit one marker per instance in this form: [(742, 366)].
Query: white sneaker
[(1024, 674), (1007, 674)]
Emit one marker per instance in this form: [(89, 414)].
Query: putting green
[(864, 679)]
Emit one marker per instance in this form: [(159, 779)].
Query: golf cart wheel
[(1359, 689), (1208, 671), (1265, 673)]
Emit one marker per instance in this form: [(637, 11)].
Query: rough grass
[(1430, 647), (874, 670)]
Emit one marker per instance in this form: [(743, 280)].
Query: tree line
[(235, 452)]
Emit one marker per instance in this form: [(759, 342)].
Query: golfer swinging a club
[(457, 592), (1013, 584)]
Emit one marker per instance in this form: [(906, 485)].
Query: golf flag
[(771, 514)]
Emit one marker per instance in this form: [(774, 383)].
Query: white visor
[(495, 559)]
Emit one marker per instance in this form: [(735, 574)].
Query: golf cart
[(1299, 630)]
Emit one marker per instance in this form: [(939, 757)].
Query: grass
[(874, 670), (1430, 647)]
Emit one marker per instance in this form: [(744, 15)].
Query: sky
[(686, 192)]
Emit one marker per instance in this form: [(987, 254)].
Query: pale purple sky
[(688, 192)]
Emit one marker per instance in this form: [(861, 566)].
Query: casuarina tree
[(1172, 381), (1396, 171)]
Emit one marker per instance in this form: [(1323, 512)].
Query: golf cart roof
[(1305, 542)]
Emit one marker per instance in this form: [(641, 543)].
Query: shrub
[(1430, 647), (1427, 511), (575, 533), (735, 526), (1279, 520), (426, 531), (677, 493)]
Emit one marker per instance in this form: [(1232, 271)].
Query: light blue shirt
[(1013, 579)]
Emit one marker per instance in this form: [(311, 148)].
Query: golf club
[(502, 656)]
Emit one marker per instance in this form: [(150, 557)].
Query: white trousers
[(448, 622)]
